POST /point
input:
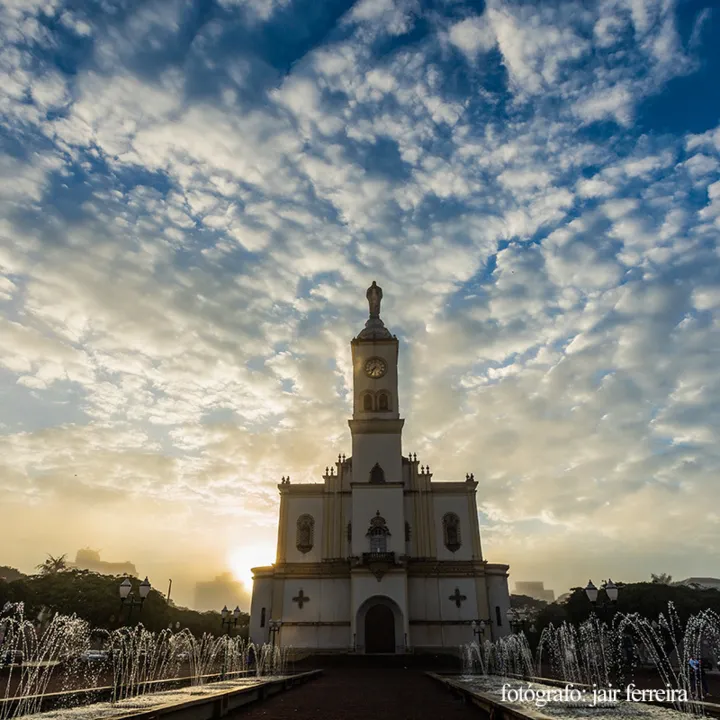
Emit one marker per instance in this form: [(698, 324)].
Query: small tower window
[(451, 531), (498, 616), (377, 475), (407, 532), (367, 402), (262, 617), (305, 532), (383, 401)]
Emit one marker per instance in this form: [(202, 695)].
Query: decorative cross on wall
[(457, 598), (301, 599)]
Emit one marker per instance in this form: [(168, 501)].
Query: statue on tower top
[(374, 296), (374, 327)]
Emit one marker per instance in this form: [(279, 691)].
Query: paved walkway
[(356, 694)]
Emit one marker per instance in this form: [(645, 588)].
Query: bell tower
[(376, 426)]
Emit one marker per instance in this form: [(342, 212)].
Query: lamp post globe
[(145, 588), (592, 592), (125, 588)]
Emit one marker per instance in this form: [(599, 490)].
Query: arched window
[(367, 402), (451, 531), (305, 532), (498, 616), (377, 474), (383, 401), (378, 534), (262, 617)]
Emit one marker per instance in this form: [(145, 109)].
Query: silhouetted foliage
[(53, 565), (525, 601), (10, 573), (95, 598), (662, 578), (649, 599)]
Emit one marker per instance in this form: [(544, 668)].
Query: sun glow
[(242, 559)]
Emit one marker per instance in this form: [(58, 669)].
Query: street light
[(518, 619), (274, 626), (611, 593), (478, 628), (229, 619), (127, 596)]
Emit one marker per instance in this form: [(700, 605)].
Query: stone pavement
[(362, 694)]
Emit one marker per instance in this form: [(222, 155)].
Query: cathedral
[(379, 557)]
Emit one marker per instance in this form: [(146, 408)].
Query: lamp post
[(274, 626), (518, 619), (478, 628), (128, 599), (607, 606), (229, 619)]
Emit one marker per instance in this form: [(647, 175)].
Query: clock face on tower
[(375, 368)]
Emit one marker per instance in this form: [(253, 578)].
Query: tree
[(95, 598), (661, 579), (525, 601), (10, 573), (53, 565)]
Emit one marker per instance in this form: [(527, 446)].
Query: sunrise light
[(241, 560)]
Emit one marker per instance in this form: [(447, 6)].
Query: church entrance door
[(379, 630)]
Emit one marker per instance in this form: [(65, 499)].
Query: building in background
[(379, 557), (534, 589), (87, 559), (223, 590), (701, 583)]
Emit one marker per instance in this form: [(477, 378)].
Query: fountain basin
[(201, 702)]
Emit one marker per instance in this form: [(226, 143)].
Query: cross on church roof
[(457, 597), (301, 599)]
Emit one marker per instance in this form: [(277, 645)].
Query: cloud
[(472, 36), (192, 215)]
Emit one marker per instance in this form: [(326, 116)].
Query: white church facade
[(378, 558)]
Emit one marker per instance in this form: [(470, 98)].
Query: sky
[(195, 194)]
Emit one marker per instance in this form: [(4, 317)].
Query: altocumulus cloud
[(195, 195)]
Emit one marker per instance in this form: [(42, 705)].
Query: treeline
[(648, 599), (95, 598)]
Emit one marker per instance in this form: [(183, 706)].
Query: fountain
[(57, 662), (598, 655)]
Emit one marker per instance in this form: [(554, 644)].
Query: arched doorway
[(379, 629)]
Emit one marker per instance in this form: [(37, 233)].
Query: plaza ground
[(364, 694)]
